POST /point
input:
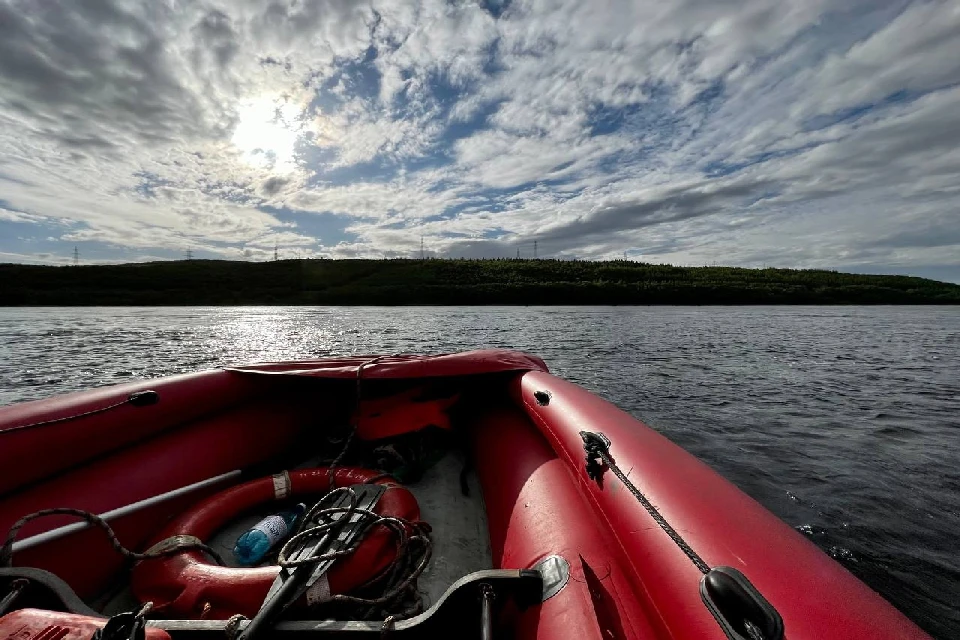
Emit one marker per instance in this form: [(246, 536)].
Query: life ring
[(187, 585)]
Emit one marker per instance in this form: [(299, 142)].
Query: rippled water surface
[(844, 421)]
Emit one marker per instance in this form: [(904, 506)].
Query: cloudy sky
[(817, 133)]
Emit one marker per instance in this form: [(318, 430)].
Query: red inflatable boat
[(471, 494)]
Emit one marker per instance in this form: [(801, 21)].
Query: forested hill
[(461, 282)]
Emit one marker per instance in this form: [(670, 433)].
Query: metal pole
[(59, 532), (486, 612)]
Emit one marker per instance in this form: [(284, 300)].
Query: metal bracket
[(462, 601), (555, 572)]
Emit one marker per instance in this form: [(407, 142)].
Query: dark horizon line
[(459, 281)]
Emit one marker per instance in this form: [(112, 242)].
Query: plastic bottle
[(254, 544)]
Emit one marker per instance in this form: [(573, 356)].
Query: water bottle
[(254, 544)]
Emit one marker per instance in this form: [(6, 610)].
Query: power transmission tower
[(76, 255), (422, 255), (534, 249), (188, 254), (518, 253), (276, 248)]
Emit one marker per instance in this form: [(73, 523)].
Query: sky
[(811, 134)]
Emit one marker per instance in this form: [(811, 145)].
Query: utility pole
[(76, 255), (534, 249), (276, 248)]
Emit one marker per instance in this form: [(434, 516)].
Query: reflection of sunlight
[(269, 334), (267, 132)]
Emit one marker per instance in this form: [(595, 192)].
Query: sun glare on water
[(267, 133)]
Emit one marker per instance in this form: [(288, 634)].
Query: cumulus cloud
[(820, 133)]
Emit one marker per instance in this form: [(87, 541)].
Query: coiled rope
[(400, 597)]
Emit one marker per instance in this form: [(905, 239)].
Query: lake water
[(844, 421)]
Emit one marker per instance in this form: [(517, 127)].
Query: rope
[(331, 479), (137, 398), (398, 580), (232, 627), (6, 551), (398, 588), (354, 426), (598, 447), (43, 423)]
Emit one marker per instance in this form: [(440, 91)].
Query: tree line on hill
[(455, 282)]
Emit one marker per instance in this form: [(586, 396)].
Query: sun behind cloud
[(267, 132)]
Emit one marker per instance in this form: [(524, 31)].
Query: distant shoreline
[(404, 282)]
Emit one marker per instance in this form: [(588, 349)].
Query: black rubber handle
[(743, 613)]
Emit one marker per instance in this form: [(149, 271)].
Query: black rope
[(6, 551), (137, 399), (597, 448), (354, 426), (398, 580), (43, 423)]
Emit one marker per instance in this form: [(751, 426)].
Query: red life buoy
[(187, 585)]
